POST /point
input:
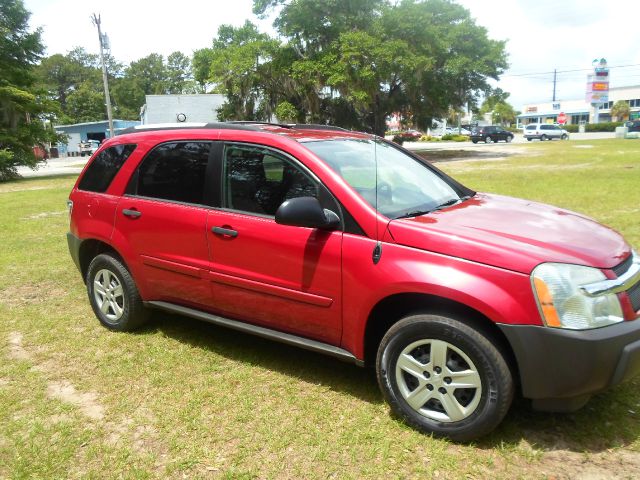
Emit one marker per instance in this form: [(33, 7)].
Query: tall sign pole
[(96, 21), (598, 87)]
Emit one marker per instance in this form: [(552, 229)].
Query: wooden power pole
[(105, 80)]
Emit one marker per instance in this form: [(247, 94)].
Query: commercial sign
[(598, 83)]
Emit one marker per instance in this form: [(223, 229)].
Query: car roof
[(298, 132)]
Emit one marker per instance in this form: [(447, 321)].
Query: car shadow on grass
[(288, 360), (610, 420)]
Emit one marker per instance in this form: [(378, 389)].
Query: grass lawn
[(183, 399)]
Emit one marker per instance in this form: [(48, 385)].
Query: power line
[(565, 71)]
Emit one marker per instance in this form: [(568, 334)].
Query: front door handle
[(131, 213), (225, 232)]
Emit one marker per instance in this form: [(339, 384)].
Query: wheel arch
[(393, 308), (90, 248)]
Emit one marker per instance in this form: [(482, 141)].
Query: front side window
[(258, 180), (104, 168), (174, 171), (405, 186)]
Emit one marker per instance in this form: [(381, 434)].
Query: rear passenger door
[(283, 277), (163, 218)]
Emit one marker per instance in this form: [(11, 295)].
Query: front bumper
[(560, 369)]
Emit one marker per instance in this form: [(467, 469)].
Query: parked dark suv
[(490, 134), (344, 243)]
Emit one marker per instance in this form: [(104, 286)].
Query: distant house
[(181, 108), (81, 132)]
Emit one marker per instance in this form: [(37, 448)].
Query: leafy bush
[(455, 138), (428, 138), (595, 127)]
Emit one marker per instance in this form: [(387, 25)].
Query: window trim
[(296, 163), (131, 190), (93, 162)]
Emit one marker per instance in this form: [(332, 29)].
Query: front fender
[(501, 295)]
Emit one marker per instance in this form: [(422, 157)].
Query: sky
[(541, 35)]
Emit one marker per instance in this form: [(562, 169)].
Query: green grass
[(187, 399)]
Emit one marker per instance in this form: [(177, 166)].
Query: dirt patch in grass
[(38, 216), (605, 465), (86, 402), (16, 350), (30, 294)]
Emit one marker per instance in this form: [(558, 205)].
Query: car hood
[(512, 233)]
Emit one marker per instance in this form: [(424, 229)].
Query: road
[(73, 165), (518, 139)]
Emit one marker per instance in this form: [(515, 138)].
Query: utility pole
[(555, 76), (96, 21)]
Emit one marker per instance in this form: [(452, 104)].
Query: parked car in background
[(490, 134), (633, 125), (545, 131), (89, 147), (343, 243)]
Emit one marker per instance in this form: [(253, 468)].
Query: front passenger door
[(283, 277)]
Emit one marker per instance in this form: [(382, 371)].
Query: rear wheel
[(529, 139), (444, 377), (488, 139), (509, 138), (474, 141), (543, 138), (113, 294)]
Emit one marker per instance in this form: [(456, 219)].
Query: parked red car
[(343, 243)]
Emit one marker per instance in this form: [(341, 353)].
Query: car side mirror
[(306, 212)]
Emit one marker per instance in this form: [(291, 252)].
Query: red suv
[(343, 243)]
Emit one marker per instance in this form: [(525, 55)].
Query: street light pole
[(96, 21)]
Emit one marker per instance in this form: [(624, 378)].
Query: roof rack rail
[(235, 124), (257, 122), (152, 127), (317, 126)]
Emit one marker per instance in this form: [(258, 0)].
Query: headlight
[(561, 302)]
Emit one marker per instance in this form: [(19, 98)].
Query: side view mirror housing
[(306, 212)]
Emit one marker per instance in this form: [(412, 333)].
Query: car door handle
[(225, 232), (131, 213)]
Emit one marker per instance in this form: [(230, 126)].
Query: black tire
[(474, 141), (529, 139), (543, 138), (509, 138), (564, 136), (124, 312), (488, 139), (487, 405)]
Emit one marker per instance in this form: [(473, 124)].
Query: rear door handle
[(131, 213), (226, 232)]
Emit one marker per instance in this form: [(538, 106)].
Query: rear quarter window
[(104, 167), (531, 127)]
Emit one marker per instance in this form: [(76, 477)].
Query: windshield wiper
[(453, 201)]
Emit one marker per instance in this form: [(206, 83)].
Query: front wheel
[(113, 294), (564, 136), (444, 377), (488, 139), (543, 138), (509, 138)]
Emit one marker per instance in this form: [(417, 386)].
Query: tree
[(501, 111), (23, 108), (237, 64), (620, 110), (367, 59)]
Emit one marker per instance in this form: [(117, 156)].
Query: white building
[(181, 108), (579, 110)]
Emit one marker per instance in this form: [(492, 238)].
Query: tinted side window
[(258, 180), (175, 171), (531, 127), (546, 127), (104, 168)]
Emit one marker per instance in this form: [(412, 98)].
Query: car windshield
[(406, 187)]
